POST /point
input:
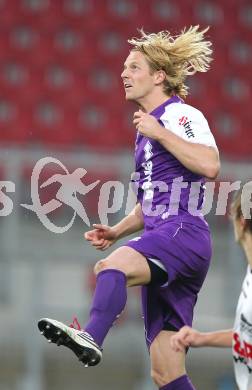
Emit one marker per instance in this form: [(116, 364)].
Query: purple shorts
[(184, 249)]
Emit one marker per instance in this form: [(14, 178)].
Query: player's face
[(137, 78)]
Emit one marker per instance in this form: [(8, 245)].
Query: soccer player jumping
[(175, 152)]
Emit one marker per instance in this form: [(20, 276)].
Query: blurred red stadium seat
[(60, 65), (51, 124), (14, 120), (164, 15), (232, 133), (96, 126)]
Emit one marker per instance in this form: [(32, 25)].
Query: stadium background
[(61, 96)]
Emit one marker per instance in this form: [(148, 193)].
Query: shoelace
[(75, 324)]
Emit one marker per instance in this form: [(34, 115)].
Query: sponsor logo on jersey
[(246, 326), (165, 215), (183, 121), (242, 352), (147, 165), (148, 150)]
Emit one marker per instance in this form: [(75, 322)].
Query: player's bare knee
[(100, 266), (104, 264), (163, 377), (161, 380)]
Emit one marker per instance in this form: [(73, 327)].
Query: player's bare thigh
[(166, 364), (129, 261)]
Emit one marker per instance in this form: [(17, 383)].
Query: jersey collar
[(158, 111)]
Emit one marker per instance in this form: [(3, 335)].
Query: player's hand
[(146, 124), (101, 237), (186, 337)]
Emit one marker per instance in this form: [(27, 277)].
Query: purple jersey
[(164, 184), (175, 239)]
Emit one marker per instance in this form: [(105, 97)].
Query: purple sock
[(181, 383), (108, 302)]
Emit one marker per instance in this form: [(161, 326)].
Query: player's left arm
[(201, 159), (189, 144)]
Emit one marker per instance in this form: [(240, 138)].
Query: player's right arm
[(103, 236), (189, 337)]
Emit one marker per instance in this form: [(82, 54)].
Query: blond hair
[(179, 56)]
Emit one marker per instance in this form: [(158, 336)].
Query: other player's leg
[(168, 367)]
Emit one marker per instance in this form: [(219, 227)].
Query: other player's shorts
[(184, 249)]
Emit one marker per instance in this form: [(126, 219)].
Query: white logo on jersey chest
[(148, 150)]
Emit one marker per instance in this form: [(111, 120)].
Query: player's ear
[(159, 76)]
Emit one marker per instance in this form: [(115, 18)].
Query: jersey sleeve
[(188, 123)]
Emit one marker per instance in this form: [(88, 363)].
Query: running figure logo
[(71, 184)]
